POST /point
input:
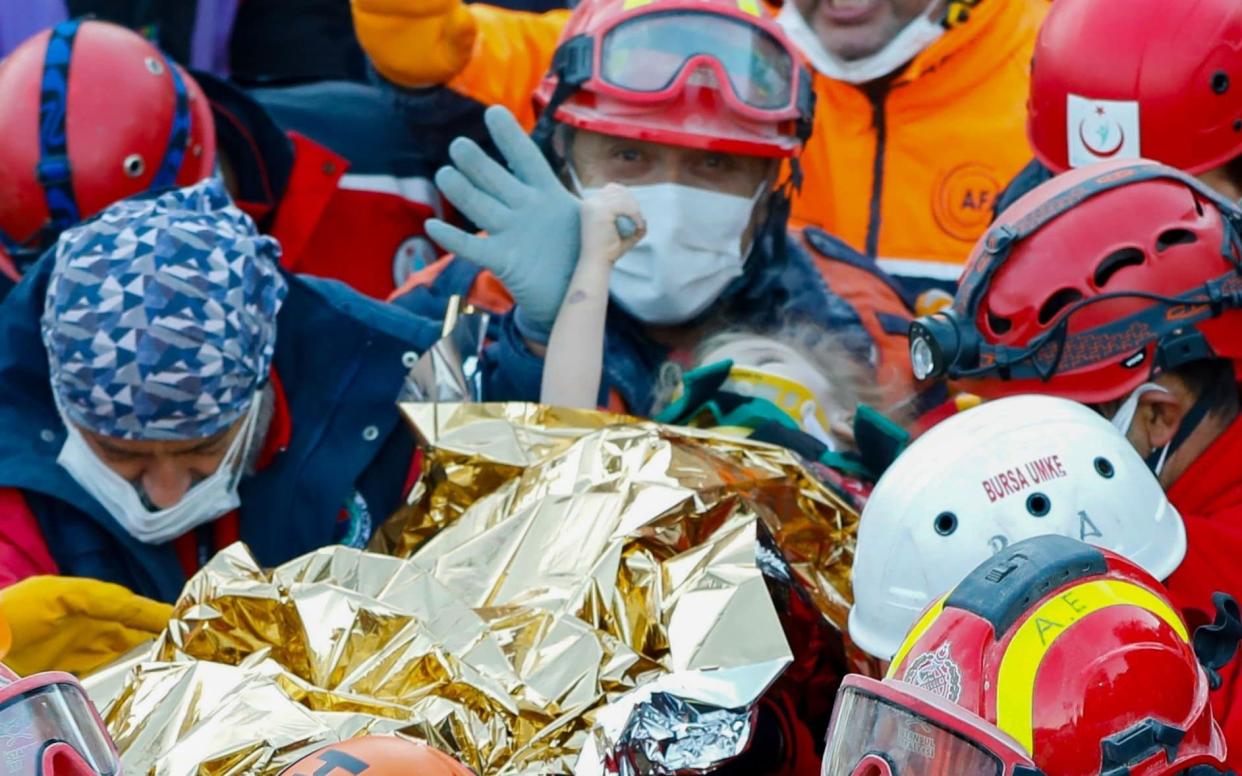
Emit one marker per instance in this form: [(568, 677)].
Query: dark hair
[(1214, 378)]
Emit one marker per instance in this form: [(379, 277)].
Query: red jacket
[(1209, 497)]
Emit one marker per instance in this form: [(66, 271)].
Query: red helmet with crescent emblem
[(1166, 85), (1053, 658), (92, 113), (1090, 285), (717, 75)]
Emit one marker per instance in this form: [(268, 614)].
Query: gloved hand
[(415, 43), (75, 625), (531, 220)]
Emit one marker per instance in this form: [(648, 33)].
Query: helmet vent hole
[(946, 523), (1170, 237), (154, 66), (1038, 504), (1104, 468), (1220, 82), (133, 165), (1119, 260), (998, 324), (1056, 303)]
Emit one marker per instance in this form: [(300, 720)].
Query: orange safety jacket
[(905, 170)]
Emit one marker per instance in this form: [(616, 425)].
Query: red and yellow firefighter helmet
[(377, 756), (1054, 658), (717, 75), (91, 113), (1092, 284), (1117, 79)]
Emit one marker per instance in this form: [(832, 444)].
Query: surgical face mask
[(913, 39), (692, 251), (1124, 417), (205, 501)]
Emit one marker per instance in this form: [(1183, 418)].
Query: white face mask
[(1124, 417), (210, 498), (692, 252), (913, 39)]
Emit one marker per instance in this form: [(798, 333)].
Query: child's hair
[(852, 381)]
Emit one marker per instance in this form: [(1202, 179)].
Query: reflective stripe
[(1015, 681), (921, 268), (915, 634), (418, 190), (749, 6)]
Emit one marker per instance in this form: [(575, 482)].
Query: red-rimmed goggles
[(48, 727), (648, 58), (895, 729)]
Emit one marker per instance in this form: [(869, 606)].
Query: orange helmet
[(377, 756), (91, 113), (1053, 658)]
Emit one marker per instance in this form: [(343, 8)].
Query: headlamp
[(939, 344)]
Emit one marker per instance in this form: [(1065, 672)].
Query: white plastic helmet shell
[(1002, 472)]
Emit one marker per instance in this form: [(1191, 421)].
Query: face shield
[(46, 722), (894, 729)]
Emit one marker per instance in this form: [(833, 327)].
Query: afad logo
[(1099, 130)]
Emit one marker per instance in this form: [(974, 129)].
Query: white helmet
[(986, 478)]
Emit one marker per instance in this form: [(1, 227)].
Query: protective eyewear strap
[(53, 171)]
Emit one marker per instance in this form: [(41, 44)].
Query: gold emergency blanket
[(571, 586)]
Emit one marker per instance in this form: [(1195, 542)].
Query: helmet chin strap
[(1157, 458)]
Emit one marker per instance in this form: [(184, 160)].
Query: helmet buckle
[(1130, 747)]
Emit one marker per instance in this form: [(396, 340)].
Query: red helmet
[(1090, 285), (92, 113), (49, 727), (1123, 79), (1053, 658), (717, 75), (378, 756)]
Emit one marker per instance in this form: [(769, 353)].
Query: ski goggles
[(48, 727), (650, 58), (894, 729)]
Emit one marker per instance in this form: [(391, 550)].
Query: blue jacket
[(339, 358), (771, 293)]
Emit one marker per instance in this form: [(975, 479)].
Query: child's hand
[(601, 240)]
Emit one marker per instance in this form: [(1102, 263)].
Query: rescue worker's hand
[(602, 216), (415, 43), (76, 625), (531, 220)]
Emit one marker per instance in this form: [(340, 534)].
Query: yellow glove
[(416, 43), (75, 625)]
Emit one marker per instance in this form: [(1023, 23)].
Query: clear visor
[(649, 52), (53, 713), (872, 736)]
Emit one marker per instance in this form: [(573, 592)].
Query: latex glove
[(416, 43), (76, 625), (532, 221)]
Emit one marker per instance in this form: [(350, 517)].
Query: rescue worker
[(378, 756), (353, 213), (1053, 658), (704, 160), (166, 390), (922, 105), (1163, 89), (1120, 286)]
